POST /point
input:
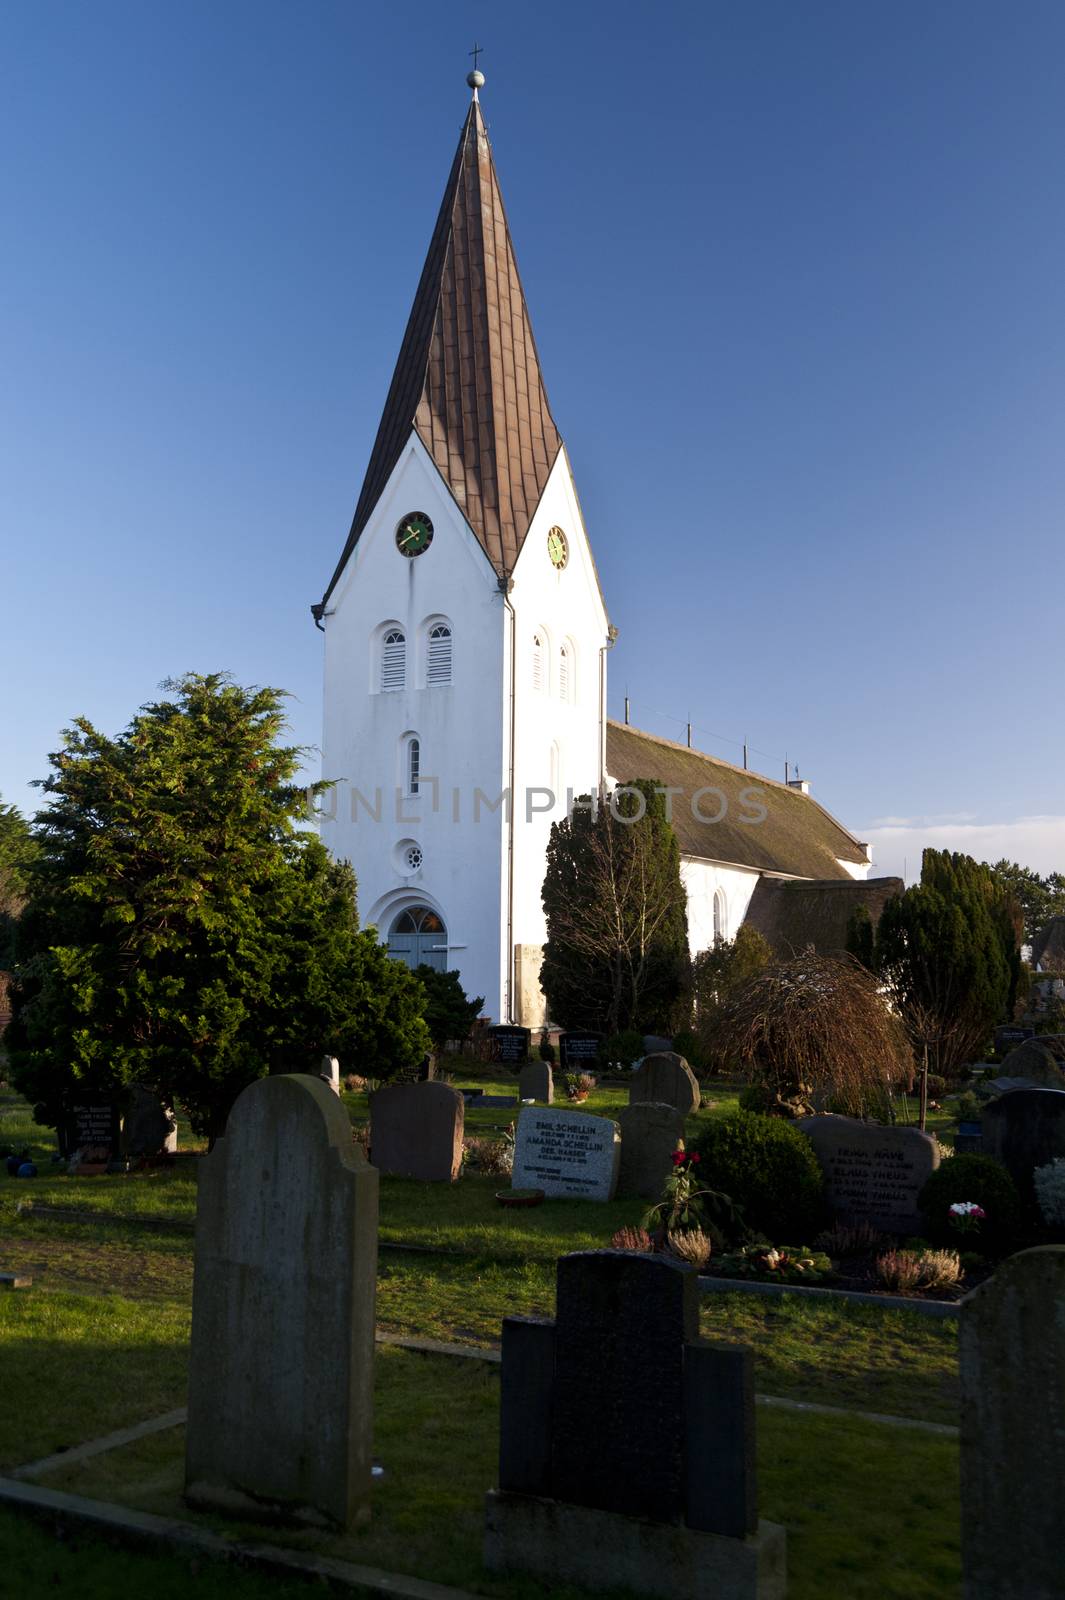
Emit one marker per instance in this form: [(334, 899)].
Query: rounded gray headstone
[(667, 1079)]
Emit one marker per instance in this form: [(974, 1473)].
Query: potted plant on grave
[(578, 1085)]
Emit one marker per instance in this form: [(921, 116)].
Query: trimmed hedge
[(768, 1167), (971, 1177)]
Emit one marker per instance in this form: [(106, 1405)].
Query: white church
[(467, 641)]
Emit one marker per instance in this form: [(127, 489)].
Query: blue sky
[(795, 272)]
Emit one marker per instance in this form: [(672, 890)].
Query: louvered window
[(414, 765), (393, 660), (538, 663), (563, 673), (438, 660)]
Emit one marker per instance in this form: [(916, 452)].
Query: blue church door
[(419, 938)]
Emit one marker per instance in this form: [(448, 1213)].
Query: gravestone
[(1011, 1340), (91, 1131), (281, 1365), (1024, 1129), (627, 1456), (1011, 1034), (872, 1173), (577, 1050), (649, 1135), (536, 1082), (329, 1072), (148, 1127), (566, 1153), (416, 1131), (667, 1079), (510, 1045), (656, 1044), (1033, 1062)]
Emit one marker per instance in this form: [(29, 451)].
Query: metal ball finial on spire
[(475, 79)]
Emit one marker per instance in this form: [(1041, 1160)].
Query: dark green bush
[(971, 1177), (620, 1050), (768, 1167), (687, 1045)]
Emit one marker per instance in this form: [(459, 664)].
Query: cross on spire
[(477, 50)]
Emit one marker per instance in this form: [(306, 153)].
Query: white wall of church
[(459, 726), (558, 709), (705, 880)]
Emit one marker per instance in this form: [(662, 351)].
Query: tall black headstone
[(510, 1045), (579, 1049)]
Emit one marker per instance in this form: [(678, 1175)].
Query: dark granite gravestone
[(667, 1079), (94, 1128), (1011, 1344), (627, 1443), (1011, 1034), (510, 1046), (416, 1131), (1033, 1062), (649, 1135), (576, 1050), (872, 1173), (1024, 1129), (148, 1127), (536, 1082)]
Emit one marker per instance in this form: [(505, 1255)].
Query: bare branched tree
[(813, 1026)]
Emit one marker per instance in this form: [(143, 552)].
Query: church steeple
[(468, 377)]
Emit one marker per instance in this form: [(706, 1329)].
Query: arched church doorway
[(419, 937)]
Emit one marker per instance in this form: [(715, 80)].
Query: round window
[(413, 857)]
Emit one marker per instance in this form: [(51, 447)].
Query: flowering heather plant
[(692, 1246), (631, 1239), (966, 1216)]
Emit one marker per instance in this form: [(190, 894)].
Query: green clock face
[(414, 534), (557, 548)]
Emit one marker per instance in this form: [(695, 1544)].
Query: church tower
[(465, 629)]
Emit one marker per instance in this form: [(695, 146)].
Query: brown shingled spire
[(468, 377)]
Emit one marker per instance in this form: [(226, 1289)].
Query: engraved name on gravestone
[(566, 1153), (872, 1173)]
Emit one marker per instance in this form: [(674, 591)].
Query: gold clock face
[(557, 548), (414, 534)]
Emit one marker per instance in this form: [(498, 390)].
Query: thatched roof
[(796, 837), (1048, 946), (792, 916)]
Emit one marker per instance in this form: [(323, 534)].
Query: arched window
[(393, 659), (419, 938), (565, 677), (438, 655), (538, 663), (720, 929), (413, 765)]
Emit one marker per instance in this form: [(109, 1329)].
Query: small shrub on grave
[(578, 1085), (845, 1240), (940, 1269), (547, 1049), (899, 1271), (621, 1051), (692, 1246), (977, 1180), (769, 1169), (632, 1239), (1049, 1184), (493, 1157)]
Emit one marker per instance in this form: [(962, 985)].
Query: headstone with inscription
[(627, 1444), (416, 1131), (1024, 1129), (1009, 1035), (649, 1135), (566, 1153), (510, 1045), (281, 1365), (1011, 1344), (872, 1173), (90, 1133), (667, 1079), (536, 1082), (576, 1050)]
